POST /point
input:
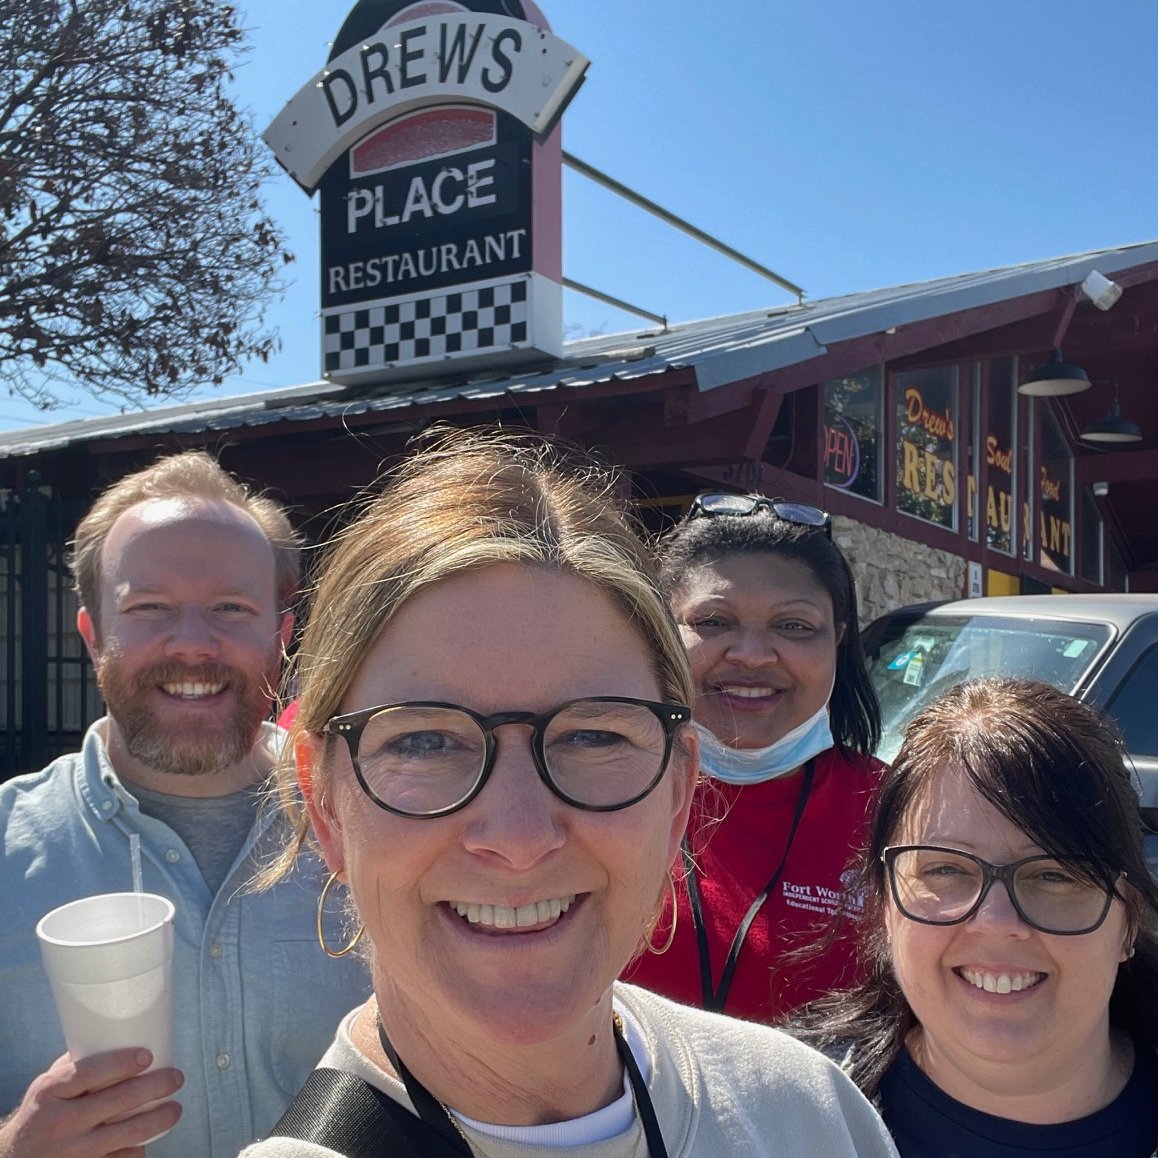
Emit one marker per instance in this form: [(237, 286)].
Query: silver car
[(1100, 648)]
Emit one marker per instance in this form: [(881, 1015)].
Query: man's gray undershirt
[(214, 828)]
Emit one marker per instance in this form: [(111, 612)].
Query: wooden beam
[(327, 471), (645, 442), (1117, 466), (764, 479), (764, 411), (1138, 275)]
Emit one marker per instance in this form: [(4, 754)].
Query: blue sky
[(845, 145)]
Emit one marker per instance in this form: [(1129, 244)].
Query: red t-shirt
[(736, 855)]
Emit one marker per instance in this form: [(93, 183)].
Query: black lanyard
[(714, 998), (436, 1115)]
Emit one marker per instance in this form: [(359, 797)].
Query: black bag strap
[(347, 1114)]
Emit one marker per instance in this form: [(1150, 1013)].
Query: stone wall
[(892, 572)]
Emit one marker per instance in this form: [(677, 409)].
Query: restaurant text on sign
[(425, 264), (451, 190), (457, 63), (489, 60), (940, 425)]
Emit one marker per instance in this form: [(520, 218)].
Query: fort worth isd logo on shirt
[(846, 900)]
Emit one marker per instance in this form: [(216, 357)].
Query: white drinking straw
[(135, 857)]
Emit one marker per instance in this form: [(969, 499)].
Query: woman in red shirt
[(787, 721)]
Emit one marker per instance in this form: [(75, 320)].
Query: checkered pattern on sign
[(467, 321)]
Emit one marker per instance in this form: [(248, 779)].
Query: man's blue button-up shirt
[(255, 1000)]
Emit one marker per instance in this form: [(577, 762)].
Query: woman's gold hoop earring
[(321, 934), (675, 918)]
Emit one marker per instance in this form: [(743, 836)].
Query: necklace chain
[(473, 1145)]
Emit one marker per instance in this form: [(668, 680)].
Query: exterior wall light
[(1100, 290), (1113, 428), (1055, 378)]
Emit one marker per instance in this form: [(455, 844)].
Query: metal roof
[(1117, 609), (719, 350)]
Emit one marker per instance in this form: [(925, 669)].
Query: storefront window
[(1000, 499), (1116, 578), (1055, 495), (1030, 474), (1091, 555), (927, 445), (852, 425), (972, 517)]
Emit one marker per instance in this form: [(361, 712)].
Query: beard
[(196, 748)]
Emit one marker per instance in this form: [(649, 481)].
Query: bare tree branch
[(135, 253)]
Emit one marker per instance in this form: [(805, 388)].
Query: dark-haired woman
[(787, 720), (1012, 927)]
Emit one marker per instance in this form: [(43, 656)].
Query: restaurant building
[(920, 415), (897, 410)]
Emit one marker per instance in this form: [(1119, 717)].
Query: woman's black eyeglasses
[(427, 758), (945, 886), (714, 504)]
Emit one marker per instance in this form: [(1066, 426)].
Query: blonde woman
[(494, 748)]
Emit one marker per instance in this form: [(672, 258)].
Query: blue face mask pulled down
[(756, 765)]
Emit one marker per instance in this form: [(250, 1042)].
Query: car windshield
[(912, 661)]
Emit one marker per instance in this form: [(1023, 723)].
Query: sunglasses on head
[(716, 504)]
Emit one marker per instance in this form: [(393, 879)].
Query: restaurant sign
[(432, 137), (927, 437), (852, 423), (997, 452), (1055, 497)]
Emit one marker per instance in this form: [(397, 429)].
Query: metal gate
[(48, 693)]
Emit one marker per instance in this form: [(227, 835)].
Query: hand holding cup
[(110, 1103), (109, 962)]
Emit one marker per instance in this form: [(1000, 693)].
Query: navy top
[(926, 1123)]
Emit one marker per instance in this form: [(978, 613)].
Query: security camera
[(1101, 489), (1100, 290)]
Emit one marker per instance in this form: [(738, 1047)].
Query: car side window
[(1133, 706)]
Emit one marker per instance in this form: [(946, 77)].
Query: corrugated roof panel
[(753, 358), (721, 350)]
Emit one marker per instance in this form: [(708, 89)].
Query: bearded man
[(184, 580)]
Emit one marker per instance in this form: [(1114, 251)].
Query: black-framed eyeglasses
[(713, 504), (427, 758), (945, 886)]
